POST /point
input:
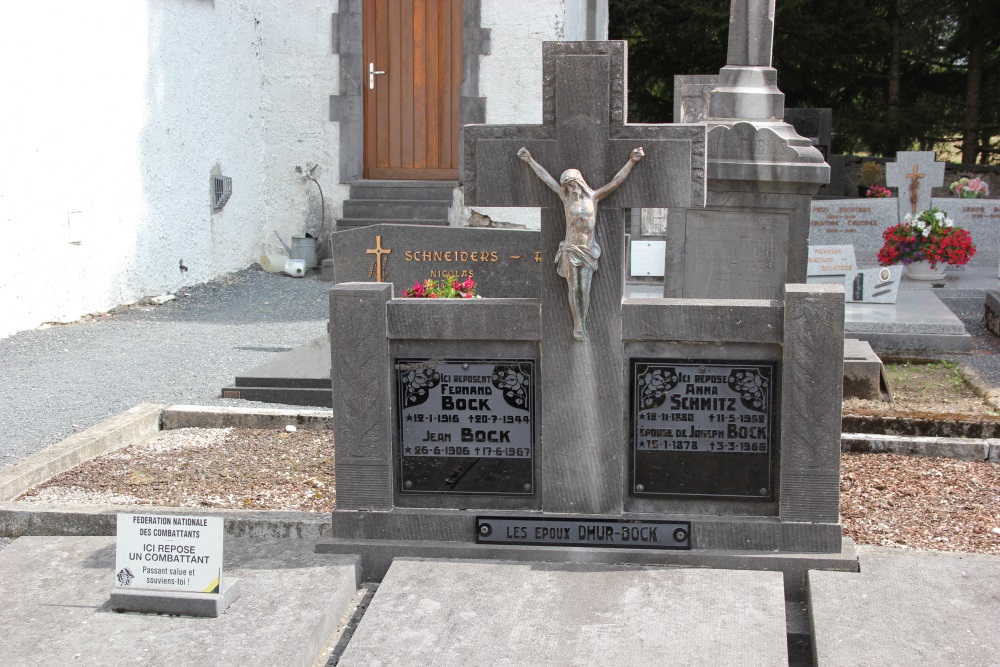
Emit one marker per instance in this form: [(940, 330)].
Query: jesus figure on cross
[(577, 257)]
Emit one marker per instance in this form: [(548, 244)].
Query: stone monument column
[(751, 242)]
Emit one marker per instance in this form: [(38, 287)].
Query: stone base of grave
[(752, 544), (456, 612), (992, 315), (176, 603), (297, 377), (918, 321), (864, 375)]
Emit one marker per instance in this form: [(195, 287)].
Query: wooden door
[(411, 112)]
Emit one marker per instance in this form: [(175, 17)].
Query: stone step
[(374, 209), (353, 223), (392, 192)]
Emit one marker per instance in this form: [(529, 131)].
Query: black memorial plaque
[(625, 533), (703, 428), (466, 426)]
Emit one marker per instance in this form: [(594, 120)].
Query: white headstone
[(879, 285), (914, 173)]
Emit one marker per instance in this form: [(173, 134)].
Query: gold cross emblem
[(378, 251)]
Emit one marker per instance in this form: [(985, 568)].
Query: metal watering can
[(303, 247)]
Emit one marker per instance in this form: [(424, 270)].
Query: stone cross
[(584, 127), (914, 173), (751, 33)]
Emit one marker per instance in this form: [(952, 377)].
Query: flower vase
[(922, 270)]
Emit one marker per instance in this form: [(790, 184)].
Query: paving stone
[(452, 612), (57, 608), (907, 609)]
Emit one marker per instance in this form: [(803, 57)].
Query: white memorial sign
[(648, 258), (169, 553), (831, 260)]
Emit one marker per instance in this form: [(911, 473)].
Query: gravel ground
[(62, 379), (922, 503), (225, 468)]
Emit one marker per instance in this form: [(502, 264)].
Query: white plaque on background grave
[(879, 285), (167, 552), (831, 260), (648, 258)]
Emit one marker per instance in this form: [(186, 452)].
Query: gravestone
[(855, 222), (691, 95), (860, 223), (813, 124), (708, 420), (914, 173), (502, 262), (879, 285)]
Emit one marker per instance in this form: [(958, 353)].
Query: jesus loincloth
[(569, 256)]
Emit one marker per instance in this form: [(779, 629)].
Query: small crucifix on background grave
[(914, 177), (915, 173), (578, 255)]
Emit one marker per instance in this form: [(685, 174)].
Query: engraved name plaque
[(627, 533), (703, 428), (466, 426)]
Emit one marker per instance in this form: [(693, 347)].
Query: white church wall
[(511, 75), (117, 113)]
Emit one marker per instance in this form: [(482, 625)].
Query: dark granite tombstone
[(708, 418)]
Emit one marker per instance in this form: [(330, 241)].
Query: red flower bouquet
[(432, 289), (930, 235)]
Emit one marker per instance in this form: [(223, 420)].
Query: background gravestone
[(914, 173), (502, 262)]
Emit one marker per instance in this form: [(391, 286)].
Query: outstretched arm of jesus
[(539, 170), (614, 183)]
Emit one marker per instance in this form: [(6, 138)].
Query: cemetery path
[(985, 356), (62, 379)]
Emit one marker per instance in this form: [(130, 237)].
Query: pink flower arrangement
[(878, 192), (433, 289), (970, 188)]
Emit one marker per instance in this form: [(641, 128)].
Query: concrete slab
[(452, 612), (182, 603), (907, 608), (864, 376), (56, 607), (918, 320)]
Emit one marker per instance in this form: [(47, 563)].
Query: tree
[(897, 73)]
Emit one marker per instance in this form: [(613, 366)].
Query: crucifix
[(914, 188), (378, 251), (578, 255), (584, 132)]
